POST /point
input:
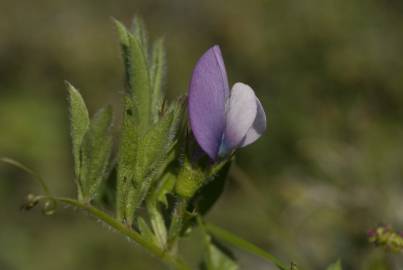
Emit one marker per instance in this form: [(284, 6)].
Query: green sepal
[(95, 153), (191, 178), (335, 266), (79, 124)]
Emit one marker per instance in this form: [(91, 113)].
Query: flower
[(222, 120)]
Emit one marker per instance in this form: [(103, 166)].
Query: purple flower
[(222, 121)]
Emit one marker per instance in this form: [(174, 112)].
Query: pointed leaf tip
[(79, 123), (95, 152)]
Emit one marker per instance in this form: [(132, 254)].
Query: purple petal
[(207, 97), (258, 127), (241, 114)]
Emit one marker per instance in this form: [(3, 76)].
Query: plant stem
[(174, 262), (176, 222), (21, 166)]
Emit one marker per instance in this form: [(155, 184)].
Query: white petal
[(241, 114), (258, 127)]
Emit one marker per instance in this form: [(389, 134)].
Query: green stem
[(242, 244), (177, 222), (174, 262), (21, 166)]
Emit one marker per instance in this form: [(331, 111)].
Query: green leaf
[(140, 31), (139, 81), (145, 230), (158, 226), (79, 122), (152, 151), (137, 73), (124, 44), (163, 187), (242, 244), (335, 266), (127, 157), (158, 195), (155, 145), (95, 152), (216, 258), (157, 75)]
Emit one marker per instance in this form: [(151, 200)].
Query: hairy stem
[(174, 262)]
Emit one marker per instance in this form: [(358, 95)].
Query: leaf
[(335, 266), (155, 145), (127, 157), (95, 152), (157, 75), (139, 81), (79, 122), (124, 44), (158, 226), (139, 30), (242, 244), (152, 150), (158, 195), (145, 230), (137, 73), (215, 257), (164, 187)]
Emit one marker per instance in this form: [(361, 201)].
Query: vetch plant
[(172, 168)]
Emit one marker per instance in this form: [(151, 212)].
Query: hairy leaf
[(127, 157), (139, 81), (137, 72), (158, 226), (124, 44), (139, 30), (95, 152), (152, 149), (157, 75), (145, 230), (79, 123)]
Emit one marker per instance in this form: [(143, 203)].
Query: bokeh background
[(329, 73)]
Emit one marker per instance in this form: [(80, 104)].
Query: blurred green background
[(329, 73)]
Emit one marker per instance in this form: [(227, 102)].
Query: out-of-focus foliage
[(329, 73)]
